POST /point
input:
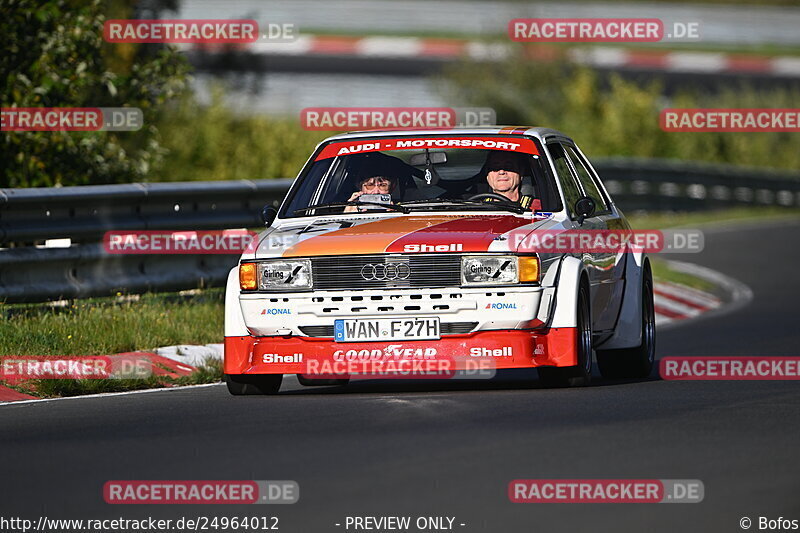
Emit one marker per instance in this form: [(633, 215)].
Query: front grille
[(388, 271), (447, 328)]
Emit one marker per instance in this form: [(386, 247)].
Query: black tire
[(579, 375), (638, 362), (322, 382), (246, 384)]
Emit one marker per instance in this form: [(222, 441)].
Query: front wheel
[(634, 362), (579, 375), (247, 384)]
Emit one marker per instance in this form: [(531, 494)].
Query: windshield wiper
[(395, 207), (509, 206)]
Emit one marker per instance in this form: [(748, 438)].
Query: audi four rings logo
[(385, 272)]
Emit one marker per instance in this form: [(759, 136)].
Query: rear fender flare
[(628, 331)]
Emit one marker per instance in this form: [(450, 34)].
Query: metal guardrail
[(659, 184), (85, 213), (32, 272)]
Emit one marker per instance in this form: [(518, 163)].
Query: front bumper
[(306, 355), (490, 309)]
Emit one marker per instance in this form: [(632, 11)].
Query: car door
[(608, 266), (570, 185)]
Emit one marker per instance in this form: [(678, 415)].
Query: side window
[(587, 182), (545, 185), (571, 191)]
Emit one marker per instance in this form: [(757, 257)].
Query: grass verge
[(104, 326), (210, 372), (101, 326), (662, 272)]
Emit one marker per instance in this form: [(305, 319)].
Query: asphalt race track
[(450, 449)]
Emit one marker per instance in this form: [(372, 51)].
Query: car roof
[(542, 134)]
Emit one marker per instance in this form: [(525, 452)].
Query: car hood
[(399, 234)]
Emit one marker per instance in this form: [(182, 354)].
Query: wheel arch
[(628, 330), (572, 273)]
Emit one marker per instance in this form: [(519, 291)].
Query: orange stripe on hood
[(368, 238)]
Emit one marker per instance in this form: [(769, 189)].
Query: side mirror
[(584, 207), (268, 215)]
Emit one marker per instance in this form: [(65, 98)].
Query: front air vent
[(354, 272)]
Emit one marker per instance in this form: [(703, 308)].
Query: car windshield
[(429, 173)]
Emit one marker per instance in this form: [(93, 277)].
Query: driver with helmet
[(504, 176)]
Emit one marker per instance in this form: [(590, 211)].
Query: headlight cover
[(285, 275), (489, 269)]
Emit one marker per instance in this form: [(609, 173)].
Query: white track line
[(675, 306), (688, 295), (739, 293), (695, 62), (389, 47), (108, 394), (662, 320), (192, 355)]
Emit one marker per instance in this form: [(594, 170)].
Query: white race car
[(396, 251)]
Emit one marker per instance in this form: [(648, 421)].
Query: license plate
[(386, 329)]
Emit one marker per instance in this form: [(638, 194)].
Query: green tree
[(612, 116), (213, 142), (55, 56)]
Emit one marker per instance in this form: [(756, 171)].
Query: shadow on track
[(509, 379)]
